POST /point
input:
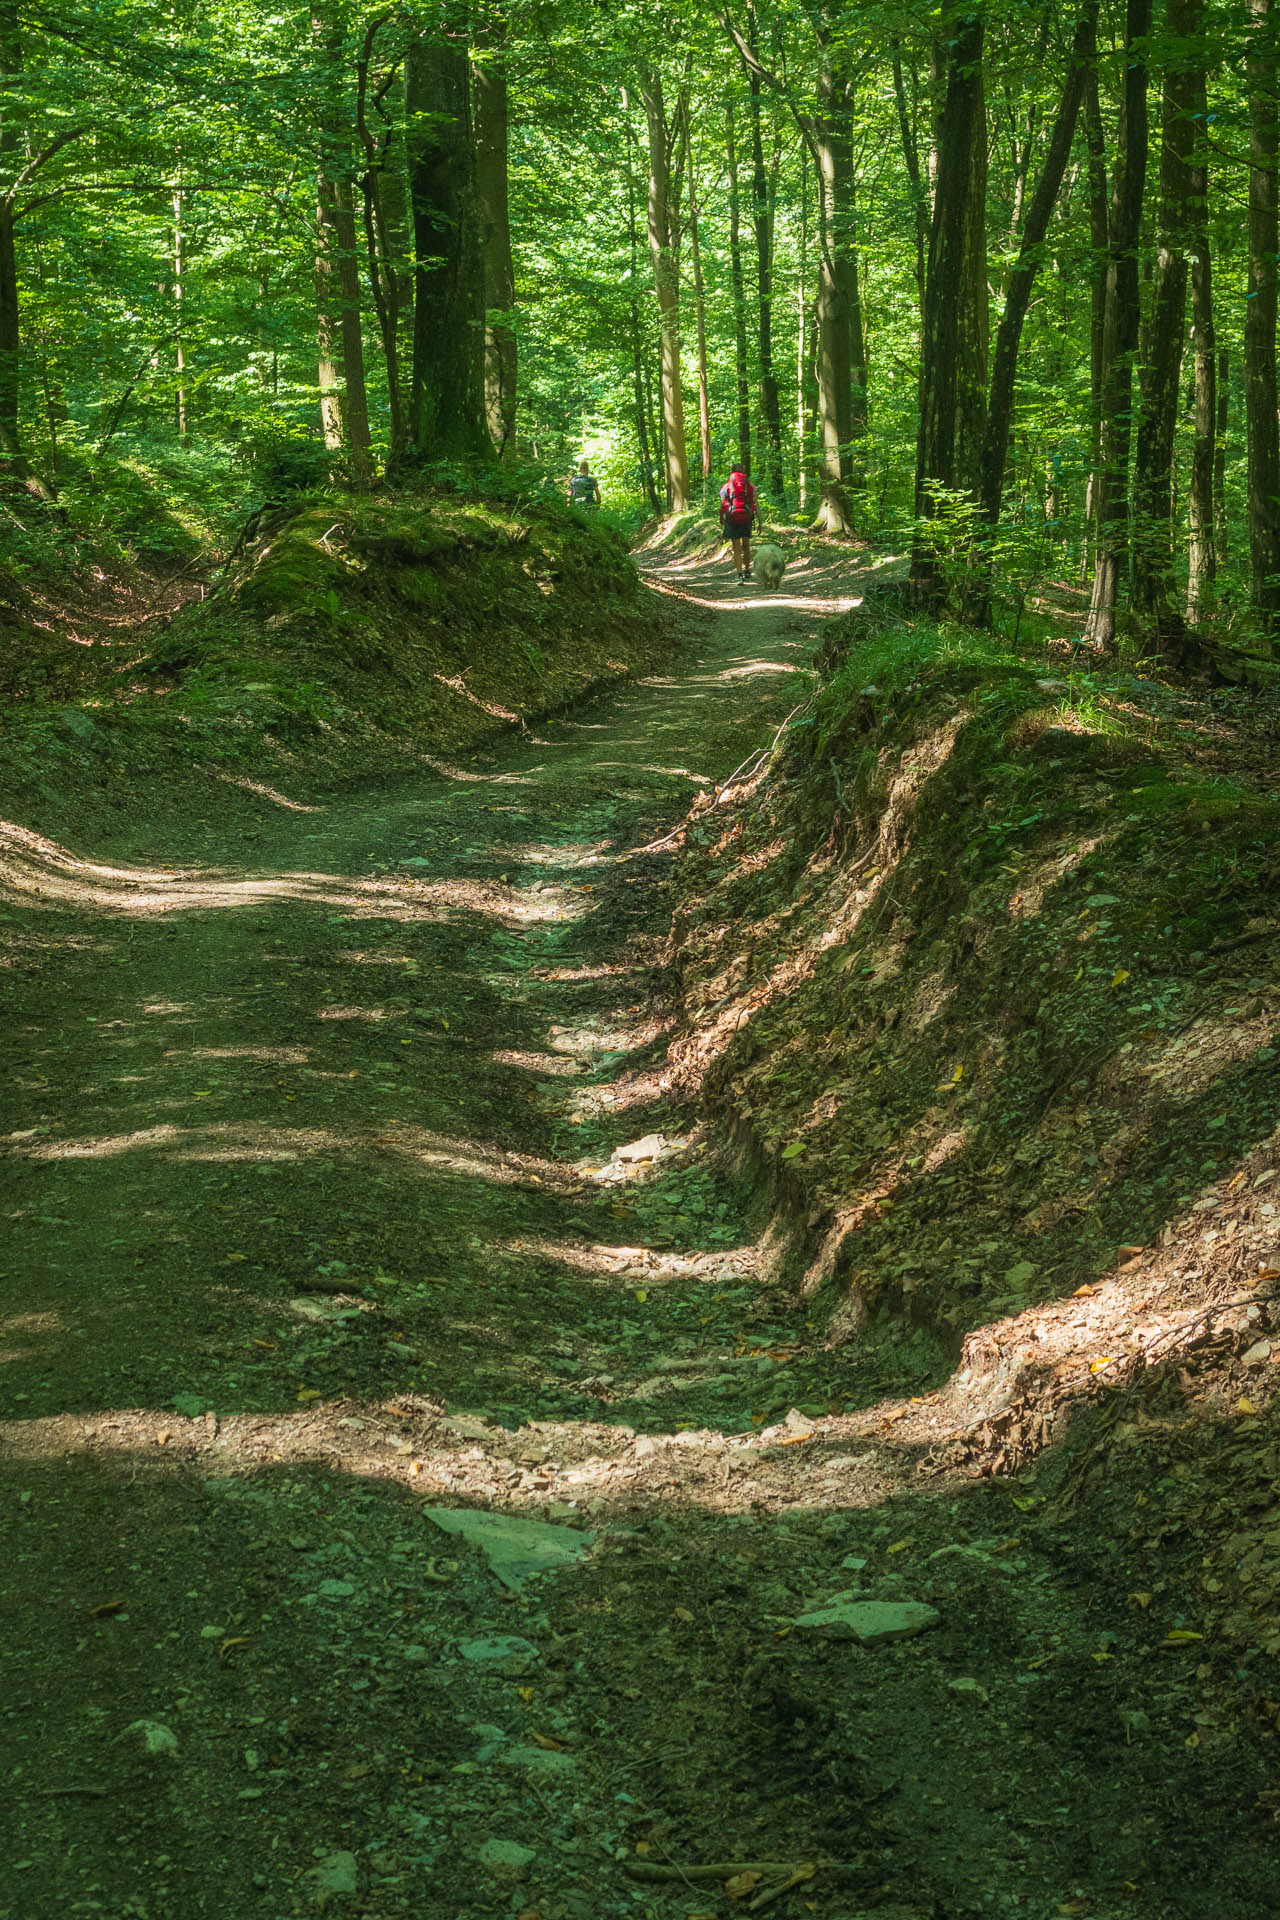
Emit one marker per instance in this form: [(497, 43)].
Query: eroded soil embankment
[(318, 1222)]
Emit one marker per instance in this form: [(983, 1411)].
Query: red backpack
[(738, 493)]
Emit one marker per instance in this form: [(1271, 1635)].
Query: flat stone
[(506, 1858), (647, 1148), (506, 1651), (870, 1621), (337, 1873), (515, 1548)]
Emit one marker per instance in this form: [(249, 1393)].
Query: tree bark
[(182, 396), (995, 446), (1260, 320), (1099, 227), (700, 315), (383, 206), (1154, 591), (762, 221), (911, 158), (489, 92), (948, 443), (1202, 556), (664, 228), (835, 298), (1122, 315), (739, 295), (1220, 455), (446, 405), (802, 334), (644, 445)]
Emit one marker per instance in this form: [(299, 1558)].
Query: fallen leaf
[(1083, 1293), (900, 1546), (1181, 1637), (1244, 1405), (1104, 1360), (105, 1609), (682, 1613), (162, 1438), (308, 1393), (526, 1693), (791, 1152), (229, 1646), (1140, 1599), (1119, 977), (545, 1740), (742, 1883)]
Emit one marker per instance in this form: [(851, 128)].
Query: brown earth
[(246, 1351)]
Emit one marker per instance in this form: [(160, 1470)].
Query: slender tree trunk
[(700, 314), (1099, 227), (12, 140), (664, 223), (1260, 320), (446, 409), (948, 447), (355, 399), (328, 323), (739, 296), (1120, 330), (995, 445), (644, 444), (802, 332), (911, 158), (762, 221), (835, 349), (1154, 591), (382, 191), (182, 397), (1220, 456), (489, 93), (1202, 558)]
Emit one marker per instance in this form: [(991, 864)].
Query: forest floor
[(436, 1505)]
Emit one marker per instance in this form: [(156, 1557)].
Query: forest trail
[(317, 1216)]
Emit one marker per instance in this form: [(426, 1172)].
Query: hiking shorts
[(738, 525)]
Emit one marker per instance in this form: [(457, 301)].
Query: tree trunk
[(1122, 316), (1260, 321), (1202, 558), (762, 221), (802, 333), (328, 324), (1220, 456), (1017, 297), (1099, 226), (664, 227), (489, 93), (383, 207), (739, 297), (911, 157), (12, 140), (355, 399), (835, 348), (948, 444), (644, 445), (182, 397), (1154, 591), (446, 403), (700, 314)]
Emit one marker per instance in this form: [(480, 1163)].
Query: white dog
[(770, 563)]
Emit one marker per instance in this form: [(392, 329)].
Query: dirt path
[(316, 1217)]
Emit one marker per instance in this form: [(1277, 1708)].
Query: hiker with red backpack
[(739, 512)]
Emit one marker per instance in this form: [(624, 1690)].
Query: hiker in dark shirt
[(739, 512), (584, 488)]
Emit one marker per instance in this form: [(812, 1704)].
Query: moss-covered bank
[(346, 634)]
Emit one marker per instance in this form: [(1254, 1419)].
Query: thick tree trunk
[(1260, 320), (446, 406), (355, 399), (739, 295), (1202, 564), (1120, 330), (835, 299), (700, 315), (12, 137), (949, 440), (664, 226), (1154, 590), (489, 94), (762, 221), (383, 207)]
